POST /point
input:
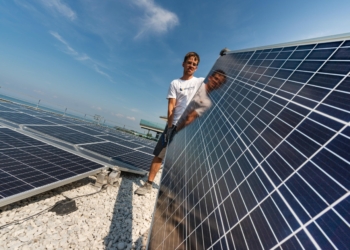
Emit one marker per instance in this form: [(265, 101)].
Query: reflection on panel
[(266, 165)]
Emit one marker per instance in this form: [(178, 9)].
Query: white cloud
[(134, 110), (60, 7), (69, 49), (156, 20), (131, 118), (82, 57), (119, 115)]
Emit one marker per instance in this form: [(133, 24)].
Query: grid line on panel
[(233, 206), (320, 149), (330, 207), (295, 215)]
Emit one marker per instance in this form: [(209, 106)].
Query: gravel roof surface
[(114, 218)]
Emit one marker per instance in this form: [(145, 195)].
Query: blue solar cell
[(299, 54), (346, 43), (342, 54), (328, 45), (321, 54), (335, 229), (332, 67), (344, 85), (323, 80), (299, 76), (310, 66)]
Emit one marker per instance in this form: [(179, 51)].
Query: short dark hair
[(190, 54), (219, 72)]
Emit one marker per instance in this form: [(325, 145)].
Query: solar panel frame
[(248, 185)]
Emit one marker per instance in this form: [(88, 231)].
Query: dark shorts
[(160, 148)]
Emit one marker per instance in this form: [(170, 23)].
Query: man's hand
[(168, 133)]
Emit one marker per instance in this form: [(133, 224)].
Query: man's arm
[(189, 119), (171, 107)]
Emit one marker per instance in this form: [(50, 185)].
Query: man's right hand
[(168, 134)]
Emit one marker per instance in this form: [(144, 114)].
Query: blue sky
[(116, 58)]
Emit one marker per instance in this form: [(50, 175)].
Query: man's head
[(190, 63), (216, 79)]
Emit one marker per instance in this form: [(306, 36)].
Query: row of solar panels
[(268, 166), (130, 151), (41, 150)]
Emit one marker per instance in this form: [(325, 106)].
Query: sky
[(117, 58)]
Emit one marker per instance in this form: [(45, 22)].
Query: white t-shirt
[(183, 91)]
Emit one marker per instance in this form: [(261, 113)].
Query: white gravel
[(114, 218)]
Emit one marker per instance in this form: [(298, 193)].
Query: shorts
[(160, 148)]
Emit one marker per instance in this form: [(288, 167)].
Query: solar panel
[(31, 112), (9, 105), (268, 165), (75, 132), (29, 166), (146, 150), (65, 134), (121, 141), (56, 120), (2, 109), (108, 149), (21, 118), (137, 159), (85, 130)]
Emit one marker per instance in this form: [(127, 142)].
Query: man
[(201, 101), (180, 93)]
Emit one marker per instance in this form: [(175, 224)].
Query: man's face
[(190, 65), (215, 81)]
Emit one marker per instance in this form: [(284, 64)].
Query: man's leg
[(147, 187), (155, 166)]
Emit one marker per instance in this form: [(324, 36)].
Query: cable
[(16, 222)]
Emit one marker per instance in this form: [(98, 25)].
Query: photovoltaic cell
[(267, 166)]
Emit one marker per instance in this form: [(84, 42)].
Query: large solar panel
[(268, 166), (66, 134), (29, 166), (21, 118)]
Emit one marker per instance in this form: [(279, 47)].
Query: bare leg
[(155, 166)]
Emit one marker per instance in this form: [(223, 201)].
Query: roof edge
[(331, 38)]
